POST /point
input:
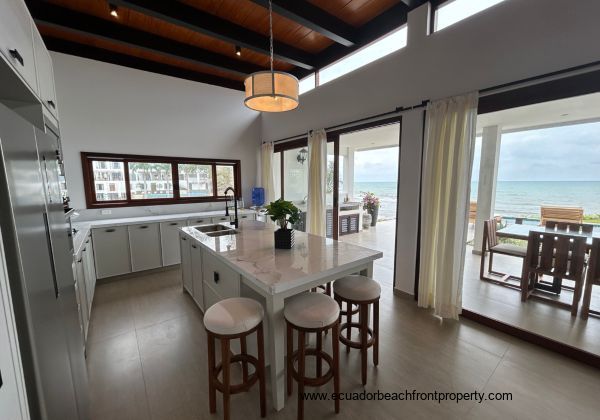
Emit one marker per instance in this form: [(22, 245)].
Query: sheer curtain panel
[(449, 144), (317, 177)]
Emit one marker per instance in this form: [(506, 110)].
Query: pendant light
[(270, 90)]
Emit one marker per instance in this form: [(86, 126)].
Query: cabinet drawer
[(169, 239), (199, 221), (247, 216), (144, 242), (111, 251), (221, 219), (222, 279), (16, 39)]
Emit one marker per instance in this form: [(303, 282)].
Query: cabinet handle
[(79, 260), (174, 224), (109, 230), (51, 103), (84, 249), (87, 242), (183, 238), (17, 56), (194, 246), (144, 227), (216, 277)]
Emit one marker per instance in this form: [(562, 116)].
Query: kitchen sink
[(212, 228), (221, 233)]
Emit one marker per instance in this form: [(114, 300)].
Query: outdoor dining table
[(522, 232), (517, 231)]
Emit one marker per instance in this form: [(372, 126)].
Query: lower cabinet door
[(144, 242), (169, 239), (111, 251), (196, 257), (186, 264)]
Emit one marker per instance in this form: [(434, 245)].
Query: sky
[(568, 153), (380, 165)]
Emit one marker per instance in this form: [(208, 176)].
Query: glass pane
[(384, 46), (109, 180), (295, 176), (225, 178), (150, 180), (457, 10), (306, 84), (195, 180)]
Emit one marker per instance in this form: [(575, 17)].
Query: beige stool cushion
[(311, 310), (233, 316), (357, 288)]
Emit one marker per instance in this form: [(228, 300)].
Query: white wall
[(108, 108), (511, 41)]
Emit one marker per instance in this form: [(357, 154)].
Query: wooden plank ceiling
[(197, 39)]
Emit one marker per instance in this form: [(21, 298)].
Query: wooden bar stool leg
[(363, 321), (290, 365), (348, 320), (260, 337), (319, 349), (212, 392), (376, 333), (335, 344), (301, 374), (244, 352), (225, 371)]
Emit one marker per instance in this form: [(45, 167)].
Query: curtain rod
[(355, 122)]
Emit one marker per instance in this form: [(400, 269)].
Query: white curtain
[(449, 144), (317, 174), (267, 180)]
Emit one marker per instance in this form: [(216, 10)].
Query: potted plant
[(283, 213), (371, 205)]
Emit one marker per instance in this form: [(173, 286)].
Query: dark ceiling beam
[(314, 18), (411, 4), (386, 22), (198, 21), (65, 19), (100, 54)]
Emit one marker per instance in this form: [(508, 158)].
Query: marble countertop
[(83, 227), (251, 253)]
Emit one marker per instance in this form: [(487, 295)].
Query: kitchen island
[(244, 262)]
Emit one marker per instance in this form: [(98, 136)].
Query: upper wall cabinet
[(45, 74), (16, 39)]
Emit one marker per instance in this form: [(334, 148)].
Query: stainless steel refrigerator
[(35, 235)]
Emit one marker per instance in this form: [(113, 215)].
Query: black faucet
[(235, 220)]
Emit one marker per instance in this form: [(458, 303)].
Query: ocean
[(513, 198)]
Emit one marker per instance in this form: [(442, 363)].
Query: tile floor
[(147, 360)]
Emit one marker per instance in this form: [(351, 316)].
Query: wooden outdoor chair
[(582, 228), (561, 214), (558, 255), (491, 245), (593, 279)]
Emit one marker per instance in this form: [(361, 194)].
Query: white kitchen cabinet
[(16, 39), (186, 264), (89, 273), (44, 73), (82, 300), (169, 240), (195, 221), (111, 251), (196, 264), (144, 243), (221, 219), (224, 281), (247, 216)]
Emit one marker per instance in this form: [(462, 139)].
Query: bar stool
[(228, 320), (362, 292), (312, 313)]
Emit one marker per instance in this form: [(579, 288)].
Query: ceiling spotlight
[(238, 50), (113, 10)]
